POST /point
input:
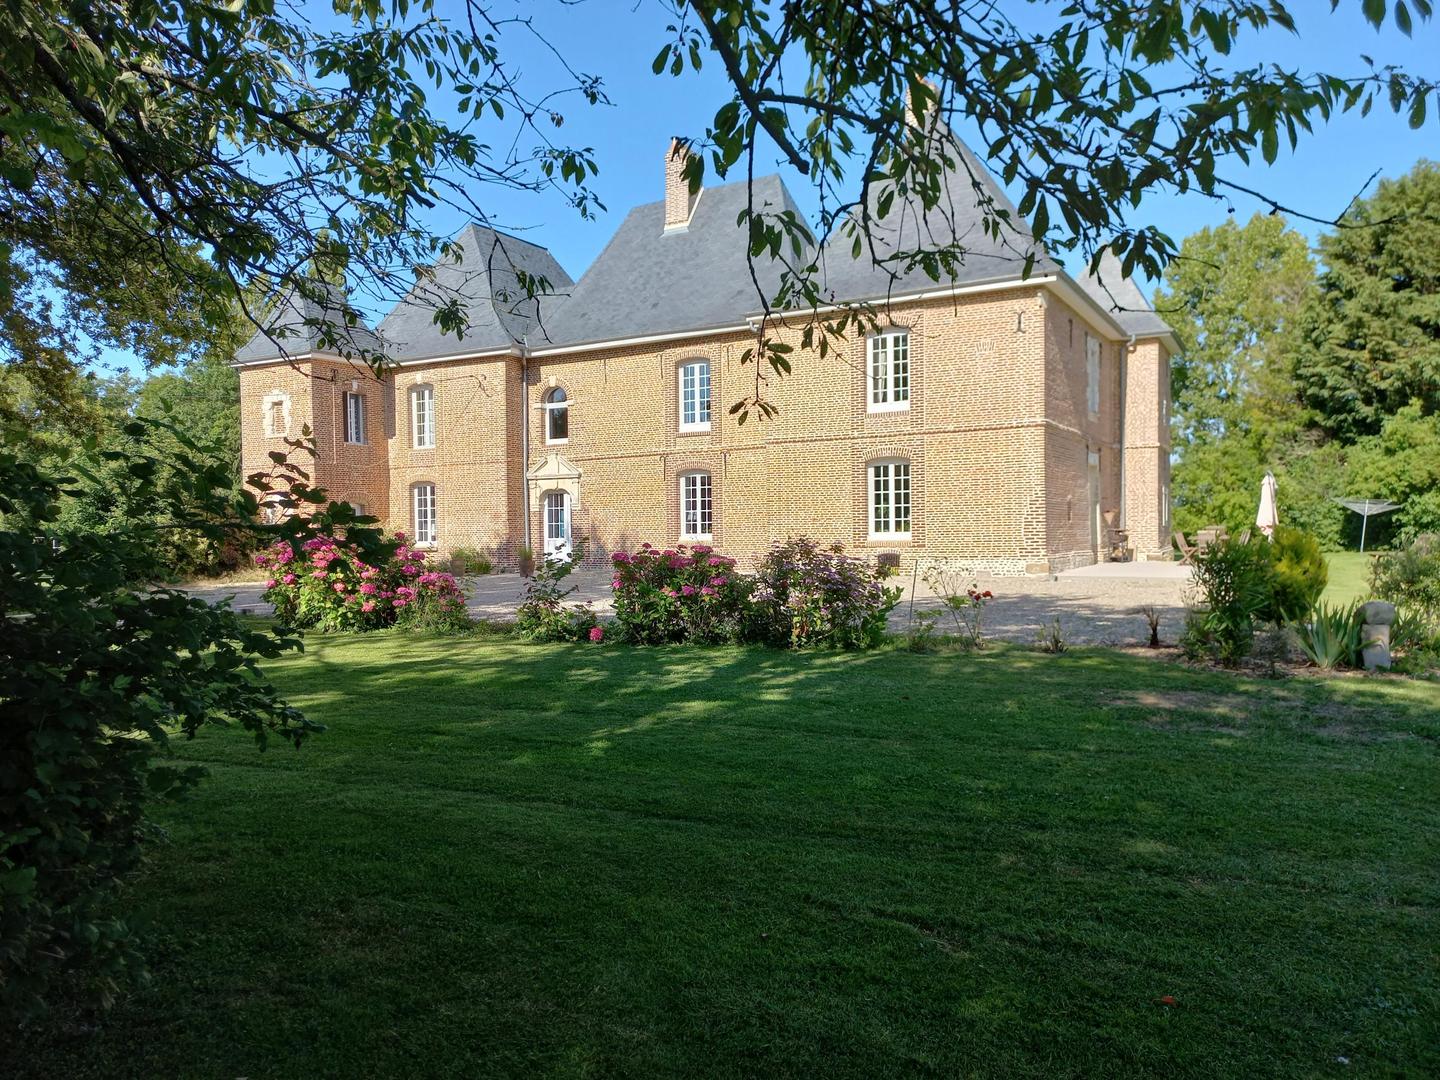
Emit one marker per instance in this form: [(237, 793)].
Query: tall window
[(695, 396), (354, 418), (275, 421), (423, 517), (890, 499), (697, 514), (422, 417), (889, 371), (1092, 375), (557, 416)]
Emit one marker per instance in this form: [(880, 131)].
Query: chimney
[(679, 203)]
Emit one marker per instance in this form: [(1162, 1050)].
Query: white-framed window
[(422, 417), (354, 418), (422, 514), (888, 372), (277, 415), (1092, 375), (557, 416), (697, 507), (695, 395), (889, 483)]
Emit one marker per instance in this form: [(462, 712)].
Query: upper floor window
[(422, 513), (890, 499), (1092, 375), (695, 395), (557, 416), (422, 417), (889, 371), (697, 508), (354, 418)]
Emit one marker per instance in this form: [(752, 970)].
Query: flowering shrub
[(805, 595), (331, 586), (965, 603), (679, 594)]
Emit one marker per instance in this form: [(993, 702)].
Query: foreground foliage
[(96, 673), (680, 862)]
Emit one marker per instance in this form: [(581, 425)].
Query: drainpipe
[(525, 436), (1124, 429)]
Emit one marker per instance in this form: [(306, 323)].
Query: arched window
[(423, 518), (889, 484), (422, 417), (697, 507), (888, 372), (557, 416)]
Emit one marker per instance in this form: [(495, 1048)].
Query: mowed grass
[(1349, 576), (511, 860)]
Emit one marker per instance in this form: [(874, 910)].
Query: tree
[(1372, 334), (1230, 297), (1402, 463)]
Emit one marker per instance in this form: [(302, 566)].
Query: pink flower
[(317, 573), (400, 536), (597, 634), (687, 590), (271, 583), (339, 586), (368, 588), (368, 606), (290, 579)]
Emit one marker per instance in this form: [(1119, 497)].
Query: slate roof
[(1122, 298), (298, 322), (486, 283), (648, 281), (967, 189)]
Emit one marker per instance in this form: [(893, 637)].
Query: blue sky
[(618, 41)]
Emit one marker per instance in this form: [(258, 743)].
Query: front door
[(557, 523)]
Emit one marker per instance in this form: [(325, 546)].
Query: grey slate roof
[(967, 189), (649, 281), (302, 321), (486, 284), (1122, 298)]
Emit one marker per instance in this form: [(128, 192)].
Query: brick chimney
[(679, 203)]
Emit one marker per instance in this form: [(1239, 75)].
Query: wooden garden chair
[(1187, 553)]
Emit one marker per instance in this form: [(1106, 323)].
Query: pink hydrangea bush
[(806, 595), (328, 585), (678, 594)]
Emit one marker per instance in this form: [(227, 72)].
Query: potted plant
[(527, 561)]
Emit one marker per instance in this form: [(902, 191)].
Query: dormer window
[(888, 372), (557, 416)]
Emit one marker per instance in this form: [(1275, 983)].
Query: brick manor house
[(1017, 426)]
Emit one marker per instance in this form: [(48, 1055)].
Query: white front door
[(556, 506)]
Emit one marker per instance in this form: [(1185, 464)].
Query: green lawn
[(510, 860), (1349, 577)]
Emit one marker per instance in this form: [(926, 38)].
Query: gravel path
[(1095, 606)]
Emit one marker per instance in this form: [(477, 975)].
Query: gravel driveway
[(1096, 605)]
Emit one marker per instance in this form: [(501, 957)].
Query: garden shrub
[(679, 594), (1298, 575), (1332, 637), (332, 585), (543, 616), (1410, 578), (805, 595), (1233, 588), (469, 562)]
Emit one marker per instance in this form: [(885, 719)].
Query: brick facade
[(998, 436)]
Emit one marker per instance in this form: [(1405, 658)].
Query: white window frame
[(1092, 375), (698, 373), (424, 510), (354, 418), (422, 423), (888, 371), (886, 476), (548, 407), (697, 487)]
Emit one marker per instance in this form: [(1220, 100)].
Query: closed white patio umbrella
[(1267, 518)]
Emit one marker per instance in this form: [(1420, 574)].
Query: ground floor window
[(423, 518), (697, 514), (890, 498)]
